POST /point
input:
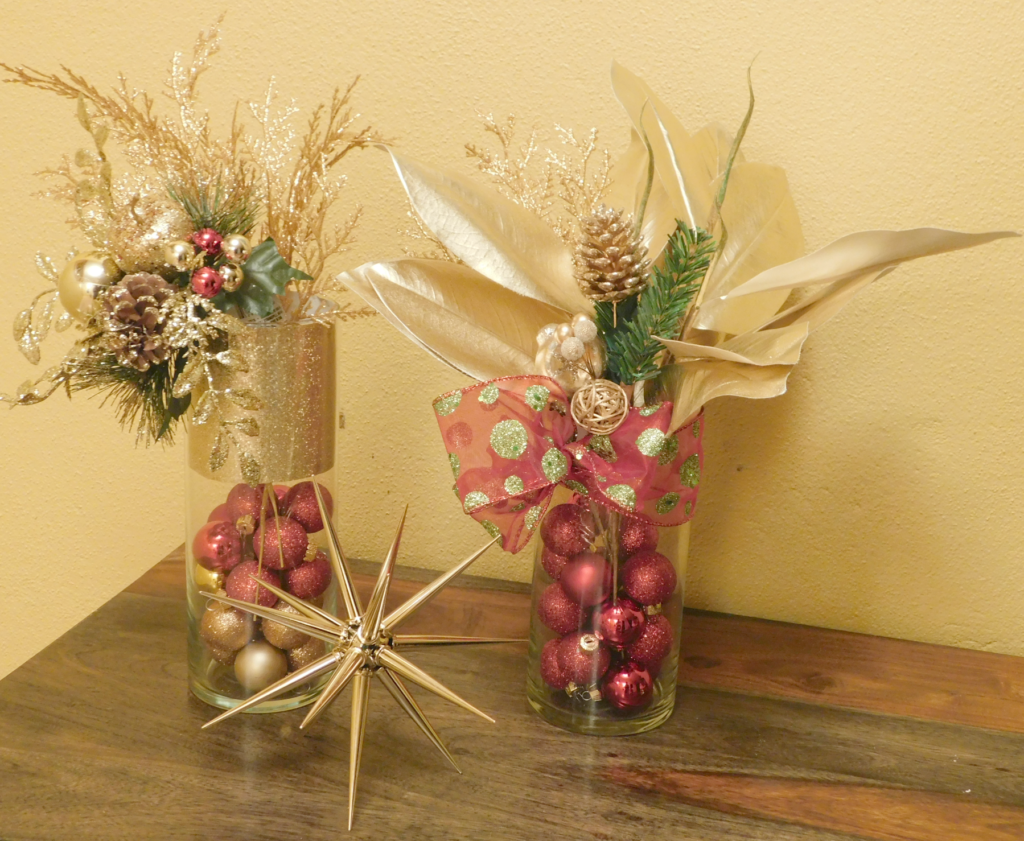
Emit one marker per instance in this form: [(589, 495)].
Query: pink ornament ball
[(649, 577), (240, 586), (281, 491), (567, 529), (583, 659), (552, 563), (628, 687), (206, 282), (550, 669), (587, 579), (557, 611), (217, 546), (280, 543), (309, 580), (300, 504), (637, 536), (619, 623), (653, 643), (244, 501), (208, 240), (220, 513)]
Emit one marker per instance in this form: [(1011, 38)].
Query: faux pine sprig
[(632, 334)]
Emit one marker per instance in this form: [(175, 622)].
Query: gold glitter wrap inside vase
[(291, 371)]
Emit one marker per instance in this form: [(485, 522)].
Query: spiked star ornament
[(364, 646)]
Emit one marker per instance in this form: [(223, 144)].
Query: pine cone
[(611, 261), (135, 320)]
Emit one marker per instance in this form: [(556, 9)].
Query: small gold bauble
[(600, 407), (81, 280), (179, 255), (563, 332), (236, 248), (232, 276), (224, 656), (280, 636), (259, 664), (226, 627), (208, 580)]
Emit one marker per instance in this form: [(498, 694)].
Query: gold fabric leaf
[(780, 346), (244, 398), (713, 144), (825, 302), (627, 179), (465, 320), (492, 234)]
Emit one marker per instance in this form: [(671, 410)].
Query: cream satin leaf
[(856, 253), (693, 384), (627, 179), (494, 235), (780, 346), (827, 301), (467, 321), (763, 231), (713, 143)]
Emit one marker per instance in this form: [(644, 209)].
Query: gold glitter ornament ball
[(260, 664), (280, 636), (310, 652), (82, 279), (226, 627)]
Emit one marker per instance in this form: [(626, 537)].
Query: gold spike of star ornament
[(364, 647)]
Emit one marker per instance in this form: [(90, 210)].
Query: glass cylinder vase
[(605, 619), (261, 432)]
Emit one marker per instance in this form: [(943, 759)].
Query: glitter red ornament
[(208, 240), (629, 686), (567, 529), (280, 542), (300, 504), (217, 546), (550, 670), (309, 580), (653, 643), (244, 501), (221, 512), (560, 613), (240, 586), (649, 577), (583, 659), (637, 536), (206, 282), (552, 563), (587, 579), (619, 623)]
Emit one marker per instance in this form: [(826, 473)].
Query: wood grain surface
[(99, 739)]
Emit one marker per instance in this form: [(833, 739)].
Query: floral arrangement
[(200, 238)]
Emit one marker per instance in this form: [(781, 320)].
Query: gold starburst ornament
[(364, 645)]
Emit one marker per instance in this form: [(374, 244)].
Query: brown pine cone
[(135, 320), (610, 260)]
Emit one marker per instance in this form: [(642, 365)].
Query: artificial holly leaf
[(266, 275)]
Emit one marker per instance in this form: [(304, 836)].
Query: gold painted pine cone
[(610, 260), (135, 320)]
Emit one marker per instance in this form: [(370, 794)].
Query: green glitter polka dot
[(489, 393), (474, 500), (689, 473), (554, 464), (696, 428), (666, 503), (514, 485), (647, 411), (601, 445), (490, 528), (559, 407), (508, 439), (519, 506), (446, 405), (650, 441), (669, 450), (624, 495), (688, 510), (455, 489), (537, 397), (532, 516), (453, 460), (579, 487)]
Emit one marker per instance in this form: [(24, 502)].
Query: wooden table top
[(780, 732)]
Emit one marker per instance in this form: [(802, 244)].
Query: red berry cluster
[(251, 535), (607, 638)]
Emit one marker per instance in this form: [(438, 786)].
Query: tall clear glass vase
[(267, 435)]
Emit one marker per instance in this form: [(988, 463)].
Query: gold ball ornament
[(236, 248), (600, 407), (302, 656), (280, 636), (179, 255), (226, 627), (224, 656), (207, 580), (82, 279), (260, 664), (232, 275), (563, 332)]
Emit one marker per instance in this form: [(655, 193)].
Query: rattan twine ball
[(600, 407)]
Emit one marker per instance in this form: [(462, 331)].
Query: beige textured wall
[(881, 494)]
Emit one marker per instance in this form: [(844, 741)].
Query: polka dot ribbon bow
[(511, 442)]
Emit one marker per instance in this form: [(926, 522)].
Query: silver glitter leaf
[(247, 426), (243, 397), (46, 267), (21, 324), (29, 347), (190, 375), (204, 408), (45, 319), (219, 451), (64, 322), (250, 468)]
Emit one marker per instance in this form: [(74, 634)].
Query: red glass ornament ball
[(587, 579), (619, 623), (240, 586), (653, 642), (649, 577), (217, 546), (629, 686), (309, 580), (300, 504), (637, 536), (281, 491), (550, 669), (221, 512), (556, 610), (567, 529), (280, 543), (206, 282), (208, 240), (583, 659), (552, 562)]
